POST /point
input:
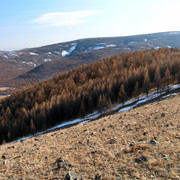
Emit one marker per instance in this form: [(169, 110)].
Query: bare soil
[(143, 143)]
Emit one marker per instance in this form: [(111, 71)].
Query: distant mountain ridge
[(30, 65)]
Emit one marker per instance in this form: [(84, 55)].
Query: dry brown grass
[(107, 147)]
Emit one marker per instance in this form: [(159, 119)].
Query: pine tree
[(122, 94), (157, 78), (146, 83), (167, 77)]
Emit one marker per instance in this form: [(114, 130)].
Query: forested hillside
[(83, 90)]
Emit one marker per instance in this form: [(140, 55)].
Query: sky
[(34, 23)]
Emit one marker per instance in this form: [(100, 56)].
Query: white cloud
[(64, 18)]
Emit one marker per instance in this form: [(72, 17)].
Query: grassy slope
[(89, 149)]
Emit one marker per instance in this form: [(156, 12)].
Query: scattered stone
[(6, 162), (141, 159), (155, 137), (145, 133), (165, 157), (72, 176), (36, 139), (3, 157), (103, 129), (92, 134), (10, 147), (153, 142), (163, 114), (131, 144), (167, 125), (137, 160), (112, 141), (59, 160), (144, 158), (62, 164), (97, 177)]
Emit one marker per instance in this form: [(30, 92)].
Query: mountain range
[(26, 66)]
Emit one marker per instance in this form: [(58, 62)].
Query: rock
[(153, 142), (112, 141), (60, 163), (103, 129), (97, 177), (138, 160), (72, 176), (164, 157), (3, 156), (131, 144), (144, 158), (163, 114), (145, 133), (141, 159), (59, 160), (6, 162)]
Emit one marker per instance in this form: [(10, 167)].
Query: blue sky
[(32, 23)]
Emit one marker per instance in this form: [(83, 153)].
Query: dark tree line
[(85, 89)]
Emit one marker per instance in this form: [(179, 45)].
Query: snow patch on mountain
[(133, 42), (67, 53), (111, 45), (5, 56), (47, 60), (99, 47), (168, 46), (33, 53), (29, 63)]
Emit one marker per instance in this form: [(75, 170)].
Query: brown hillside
[(141, 143)]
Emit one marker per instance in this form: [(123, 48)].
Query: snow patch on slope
[(67, 53), (5, 56), (99, 47), (29, 63), (33, 53)]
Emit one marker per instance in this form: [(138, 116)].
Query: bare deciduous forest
[(85, 89)]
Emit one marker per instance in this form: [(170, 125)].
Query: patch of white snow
[(33, 53), (47, 60), (168, 46), (5, 56), (111, 45), (67, 53), (99, 47), (64, 53)]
